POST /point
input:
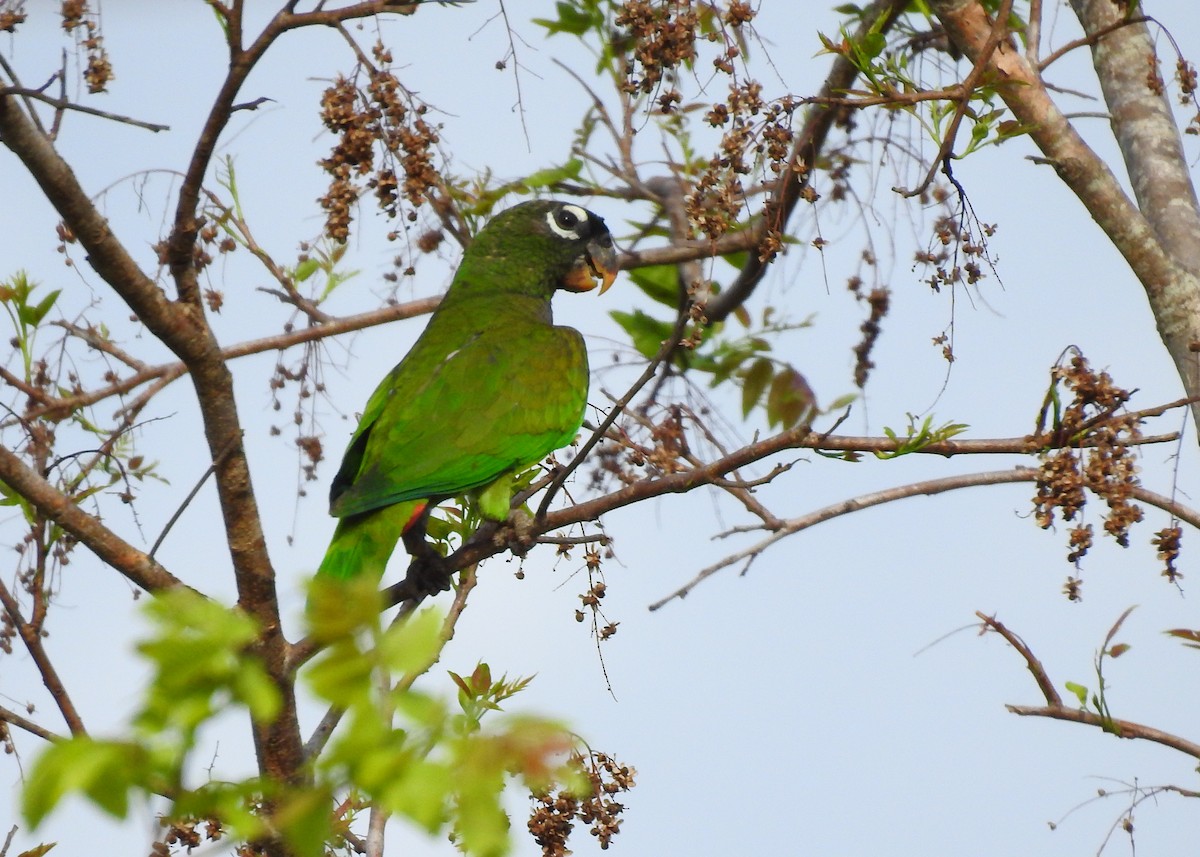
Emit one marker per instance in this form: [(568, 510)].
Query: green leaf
[(303, 818), (754, 382), (872, 44), (1081, 692), (420, 791), (571, 19), (482, 822), (338, 609), (659, 283), (646, 332), (553, 175), (422, 709), (33, 315), (252, 686), (201, 663), (104, 771), (413, 645), (841, 402), (727, 364), (305, 269), (342, 675)]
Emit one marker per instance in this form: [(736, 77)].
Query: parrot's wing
[(459, 426)]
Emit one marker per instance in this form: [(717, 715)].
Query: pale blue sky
[(781, 712)]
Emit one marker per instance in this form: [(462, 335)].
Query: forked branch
[(1055, 710)]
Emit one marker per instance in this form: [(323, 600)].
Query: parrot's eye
[(565, 220)]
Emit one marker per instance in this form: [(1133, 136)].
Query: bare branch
[(32, 638), (1055, 710), (114, 551), (1045, 685), (107, 256), (14, 719), (854, 504), (1144, 126), (58, 408), (64, 104)]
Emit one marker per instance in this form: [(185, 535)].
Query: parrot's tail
[(363, 544)]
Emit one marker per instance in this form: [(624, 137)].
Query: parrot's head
[(573, 242)]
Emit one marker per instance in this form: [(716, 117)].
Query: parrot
[(490, 387)]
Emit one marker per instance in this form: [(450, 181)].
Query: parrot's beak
[(599, 262)]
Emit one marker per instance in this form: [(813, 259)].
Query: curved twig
[(845, 507), (1055, 710)]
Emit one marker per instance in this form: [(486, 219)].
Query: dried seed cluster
[(553, 814), (952, 238), (664, 451), (756, 135), (878, 301), (382, 135), (1092, 452), (1168, 542), (12, 15), (663, 37), (83, 23), (189, 834), (1185, 76)]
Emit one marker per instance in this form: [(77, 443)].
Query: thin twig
[(168, 372), (187, 501), (1055, 710), (64, 104), (32, 639), (321, 735), (8, 840), (1045, 685), (585, 539), (794, 177), (946, 149), (14, 719), (1091, 39), (114, 551), (668, 348), (845, 507)]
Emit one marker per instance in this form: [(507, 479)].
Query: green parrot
[(490, 387)]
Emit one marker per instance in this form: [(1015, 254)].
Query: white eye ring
[(568, 229)]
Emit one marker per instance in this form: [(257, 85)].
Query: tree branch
[(64, 104), (1145, 129), (136, 566), (32, 638), (14, 719), (846, 507), (1173, 290), (1055, 710), (60, 408)]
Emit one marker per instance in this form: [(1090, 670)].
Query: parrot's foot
[(429, 573)]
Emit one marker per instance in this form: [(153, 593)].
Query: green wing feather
[(447, 421), (442, 430)]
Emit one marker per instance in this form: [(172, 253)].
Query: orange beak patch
[(599, 262)]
